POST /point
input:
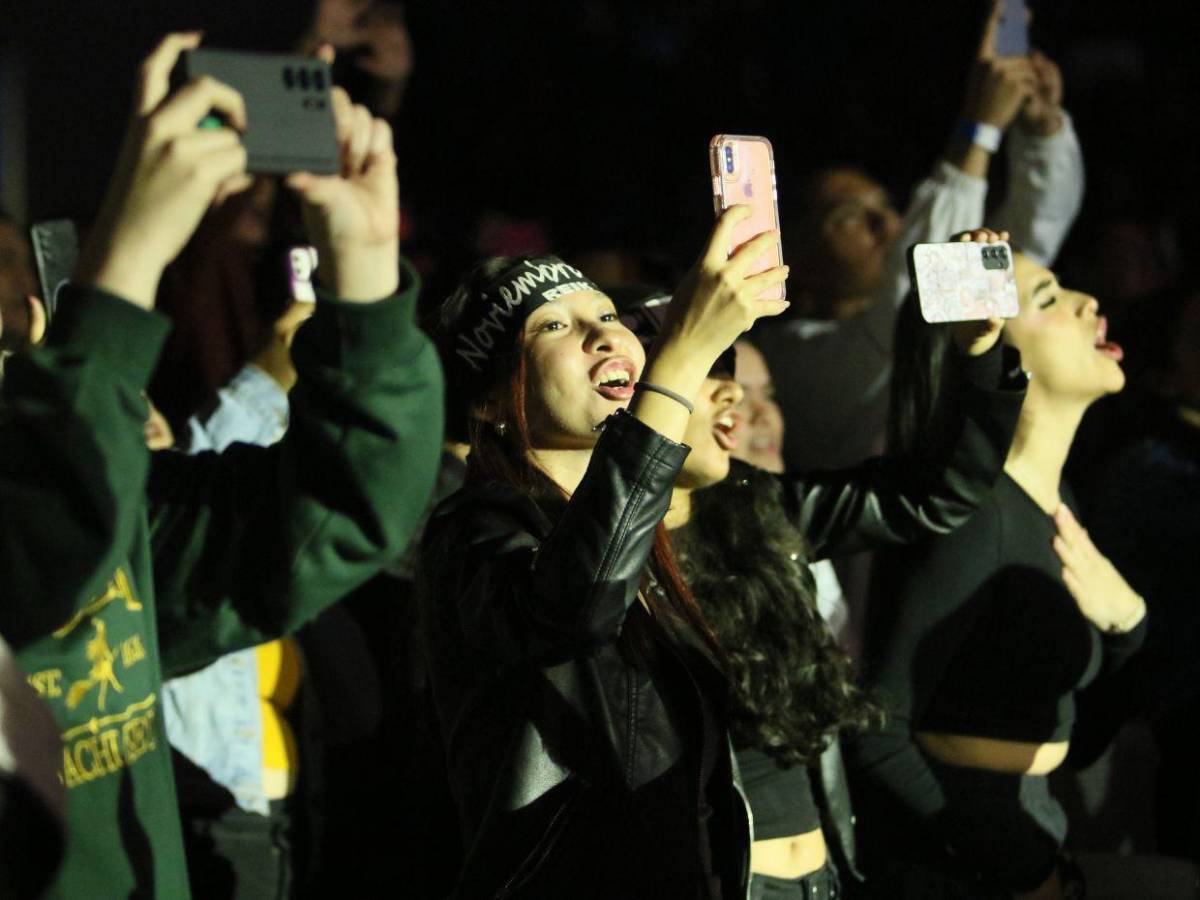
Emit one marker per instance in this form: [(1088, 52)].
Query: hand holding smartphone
[(743, 172), (289, 112), (964, 281)]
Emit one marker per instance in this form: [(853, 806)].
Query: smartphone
[(962, 282), (743, 171), (301, 263), (55, 250), (1012, 29), (289, 113)]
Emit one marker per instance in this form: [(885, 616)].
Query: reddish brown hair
[(507, 458)]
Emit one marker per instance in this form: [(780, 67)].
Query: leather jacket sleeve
[(895, 500), (524, 597)]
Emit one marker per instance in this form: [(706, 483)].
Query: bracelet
[(666, 392), (981, 134)]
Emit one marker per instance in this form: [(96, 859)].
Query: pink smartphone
[(964, 281), (743, 171)]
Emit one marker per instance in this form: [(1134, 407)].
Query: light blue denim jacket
[(213, 716)]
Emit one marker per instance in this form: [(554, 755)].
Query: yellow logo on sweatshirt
[(109, 740)]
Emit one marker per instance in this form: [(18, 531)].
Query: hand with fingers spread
[(353, 218), (169, 172), (1103, 596), (978, 337)]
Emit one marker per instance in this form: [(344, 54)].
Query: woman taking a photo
[(984, 637), (582, 713)]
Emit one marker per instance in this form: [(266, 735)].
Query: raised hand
[(353, 218), (718, 300), (977, 338), (1042, 113), (1103, 596), (168, 174)]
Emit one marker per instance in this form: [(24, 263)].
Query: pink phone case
[(963, 282), (743, 171)]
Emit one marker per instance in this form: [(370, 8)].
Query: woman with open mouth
[(745, 538), (577, 688), (987, 635)]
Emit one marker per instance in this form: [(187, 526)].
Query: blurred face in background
[(761, 421), (852, 226)]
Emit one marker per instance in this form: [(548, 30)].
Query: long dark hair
[(745, 562), (504, 456), (924, 396)]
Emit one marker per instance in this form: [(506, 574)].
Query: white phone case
[(962, 282)]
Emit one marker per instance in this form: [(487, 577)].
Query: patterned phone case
[(962, 282), (743, 171)]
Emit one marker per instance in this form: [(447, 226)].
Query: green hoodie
[(118, 569)]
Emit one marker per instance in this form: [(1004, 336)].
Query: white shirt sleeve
[(1045, 190), (946, 202)]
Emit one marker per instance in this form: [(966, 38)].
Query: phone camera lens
[(729, 160), (318, 79), (303, 73), (289, 78)]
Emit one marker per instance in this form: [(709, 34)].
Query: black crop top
[(975, 633), (781, 799)]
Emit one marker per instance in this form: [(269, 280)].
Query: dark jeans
[(1000, 833), (822, 884), (240, 855)]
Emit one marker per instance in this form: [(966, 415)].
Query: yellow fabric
[(279, 671)]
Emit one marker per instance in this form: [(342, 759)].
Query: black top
[(978, 635), (782, 798)]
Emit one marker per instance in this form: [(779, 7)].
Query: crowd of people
[(317, 579)]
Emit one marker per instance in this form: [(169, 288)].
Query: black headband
[(494, 317)]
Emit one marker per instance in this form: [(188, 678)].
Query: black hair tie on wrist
[(666, 392)]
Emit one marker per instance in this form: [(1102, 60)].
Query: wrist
[(1044, 126), (677, 374), (976, 131), (359, 274), (123, 274)]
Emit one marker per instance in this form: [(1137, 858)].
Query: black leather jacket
[(536, 698)]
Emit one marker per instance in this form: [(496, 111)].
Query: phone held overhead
[(743, 172), (289, 109), (1012, 29), (964, 281)]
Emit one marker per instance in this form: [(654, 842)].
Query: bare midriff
[(995, 755), (789, 857)]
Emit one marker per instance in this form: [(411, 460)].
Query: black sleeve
[(895, 500), (936, 596), (521, 599)]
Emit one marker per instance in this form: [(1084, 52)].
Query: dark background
[(593, 116)]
